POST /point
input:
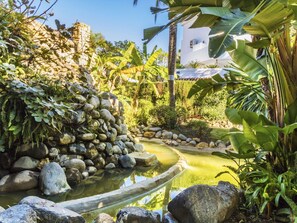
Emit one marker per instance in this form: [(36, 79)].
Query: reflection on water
[(105, 181), (202, 169)]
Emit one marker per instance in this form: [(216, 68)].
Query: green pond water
[(202, 169)]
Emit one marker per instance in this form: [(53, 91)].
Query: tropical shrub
[(163, 116), (265, 170), (143, 112)]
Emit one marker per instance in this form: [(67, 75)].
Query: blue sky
[(115, 19)]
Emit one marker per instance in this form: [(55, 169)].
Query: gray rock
[(137, 215), (116, 150), (1, 209), (197, 140), (130, 145), (53, 152), (102, 137), (66, 139), (78, 149), (123, 138), (52, 179), (158, 134), (103, 218), (94, 100), (91, 170), (95, 114), (168, 218), (113, 135), (125, 151), (124, 129), (85, 174), (203, 203), (110, 166), (65, 157), (144, 158), (154, 129), (89, 162), (174, 136), (188, 140), (73, 176), (87, 136), (174, 143), (88, 107), (24, 180), (75, 163), (80, 98), (167, 135), (182, 137), (106, 115), (127, 161), (139, 147), (105, 104), (101, 146), (25, 163), (37, 151), (48, 211), (193, 143), (19, 214)]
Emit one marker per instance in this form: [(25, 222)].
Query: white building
[(194, 47)]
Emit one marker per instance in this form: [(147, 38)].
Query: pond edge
[(95, 202)]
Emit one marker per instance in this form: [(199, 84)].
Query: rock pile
[(94, 138), (174, 139)]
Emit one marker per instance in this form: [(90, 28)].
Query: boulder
[(48, 211), (193, 143), (66, 139), (25, 163), (130, 145), (127, 161), (19, 214), (88, 107), (174, 136), (158, 134), (137, 215), (103, 218), (149, 134), (24, 180), (203, 203), (52, 179), (75, 163), (144, 158), (105, 103), (37, 151)]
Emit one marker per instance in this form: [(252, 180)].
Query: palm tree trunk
[(171, 63)]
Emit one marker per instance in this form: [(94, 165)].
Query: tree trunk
[(171, 63)]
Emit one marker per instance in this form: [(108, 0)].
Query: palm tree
[(171, 57)]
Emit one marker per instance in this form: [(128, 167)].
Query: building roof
[(198, 73)]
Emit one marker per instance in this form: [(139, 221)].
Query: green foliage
[(265, 171), (163, 116), (200, 128), (143, 112)]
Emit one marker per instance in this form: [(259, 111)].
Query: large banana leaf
[(245, 57), (232, 22), (271, 18)]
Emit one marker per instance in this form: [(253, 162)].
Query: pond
[(202, 169), (104, 181)]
